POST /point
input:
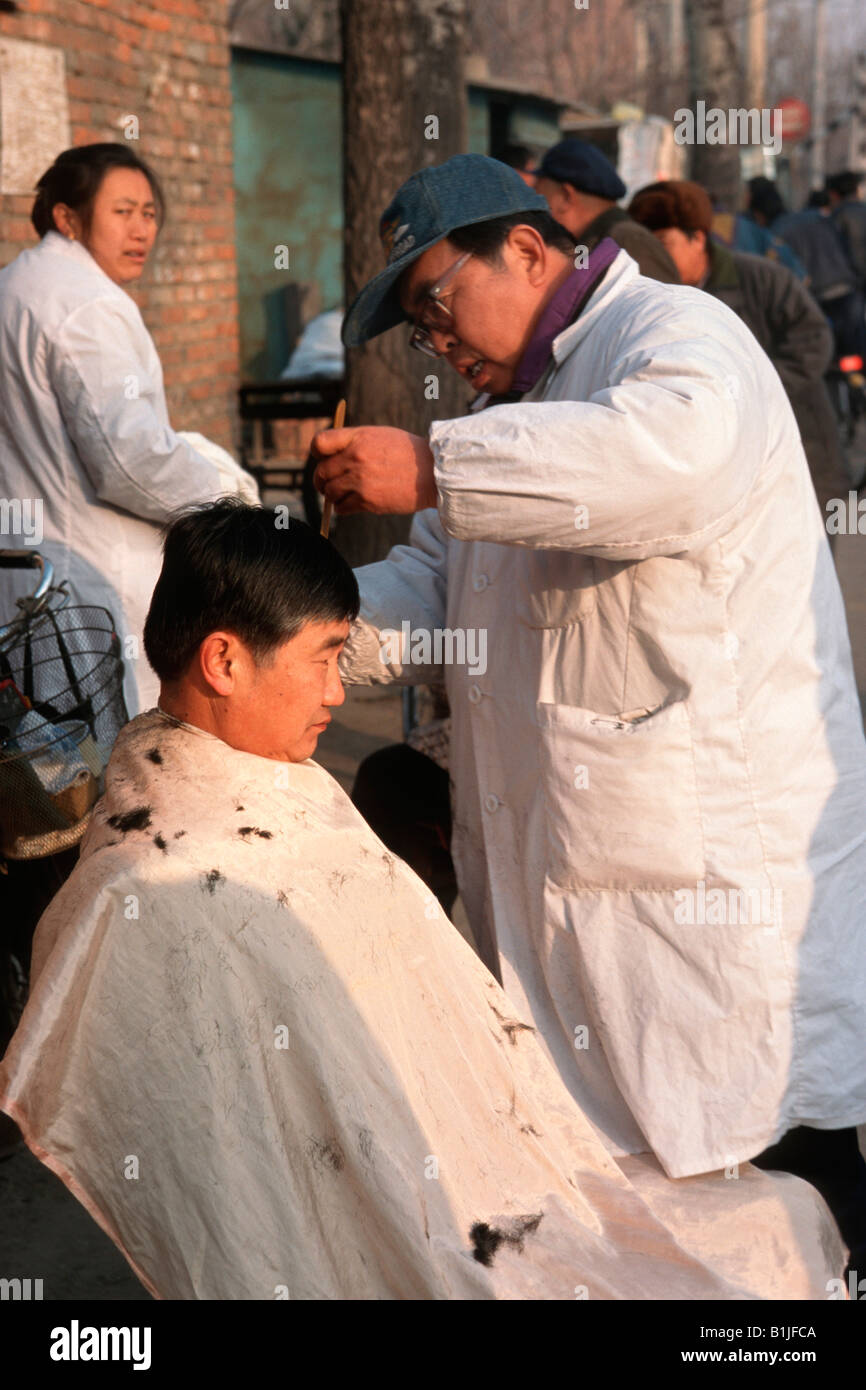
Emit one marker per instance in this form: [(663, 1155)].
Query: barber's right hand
[(374, 468)]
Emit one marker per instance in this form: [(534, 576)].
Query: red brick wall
[(167, 63)]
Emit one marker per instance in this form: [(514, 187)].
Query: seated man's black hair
[(227, 565)]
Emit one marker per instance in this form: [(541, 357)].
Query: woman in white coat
[(89, 464)]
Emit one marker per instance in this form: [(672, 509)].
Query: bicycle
[(61, 708)]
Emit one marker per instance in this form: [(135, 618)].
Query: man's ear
[(219, 661), (531, 251), (573, 197)]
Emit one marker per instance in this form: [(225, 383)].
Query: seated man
[(262, 1057)]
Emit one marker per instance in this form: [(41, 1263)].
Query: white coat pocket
[(621, 798)]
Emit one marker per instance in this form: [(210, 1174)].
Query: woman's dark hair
[(75, 178), (227, 565), (486, 239)]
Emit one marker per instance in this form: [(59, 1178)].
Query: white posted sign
[(34, 112)]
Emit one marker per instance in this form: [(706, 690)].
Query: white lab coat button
[(491, 803), (475, 694), (480, 583)]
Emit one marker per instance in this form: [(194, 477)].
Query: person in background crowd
[(582, 187), (773, 303), (743, 231), (816, 240), (521, 159), (84, 425), (849, 215)]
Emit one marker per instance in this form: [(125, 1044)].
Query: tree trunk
[(402, 64), (715, 77)]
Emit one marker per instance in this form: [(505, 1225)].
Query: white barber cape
[(659, 775), (84, 430), (268, 1065)]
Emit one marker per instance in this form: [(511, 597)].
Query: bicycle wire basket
[(61, 708)]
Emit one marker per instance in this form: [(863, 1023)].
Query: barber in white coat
[(659, 780), (86, 447)]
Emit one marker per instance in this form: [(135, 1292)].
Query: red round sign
[(791, 119)]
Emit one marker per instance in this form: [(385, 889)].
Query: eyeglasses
[(435, 317)]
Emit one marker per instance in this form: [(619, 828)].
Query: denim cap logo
[(394, 239)]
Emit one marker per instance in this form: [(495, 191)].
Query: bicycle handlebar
[(28, 559), (20, 560)]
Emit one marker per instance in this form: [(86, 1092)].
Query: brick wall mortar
[(166, 62)]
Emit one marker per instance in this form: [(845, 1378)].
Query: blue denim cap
[(465, 189), (584, 167)]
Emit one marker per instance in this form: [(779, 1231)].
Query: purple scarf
[(561, 311)]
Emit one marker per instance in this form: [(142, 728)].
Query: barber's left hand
[(374, 468)]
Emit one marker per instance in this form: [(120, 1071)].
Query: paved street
[(46, 1234)]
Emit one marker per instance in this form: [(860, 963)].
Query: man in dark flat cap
[(582, 188)]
